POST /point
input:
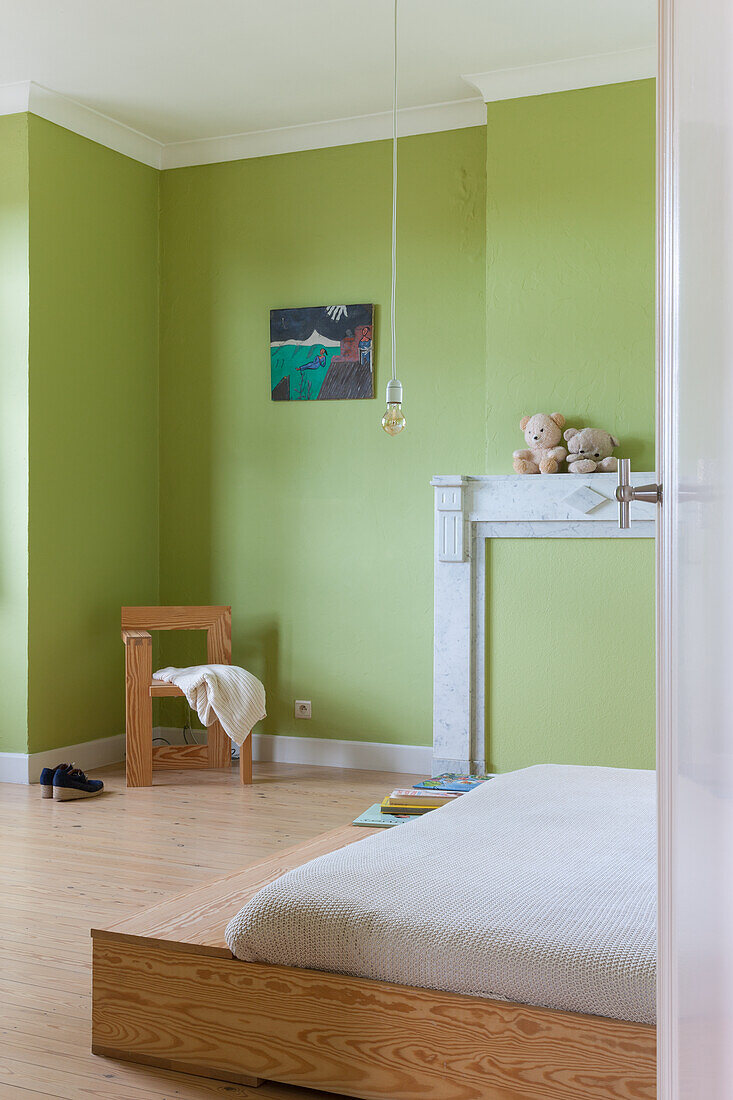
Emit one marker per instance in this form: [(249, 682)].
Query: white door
[(695, 551)]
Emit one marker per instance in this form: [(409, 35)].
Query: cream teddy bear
[(542, 455), (590, 451)]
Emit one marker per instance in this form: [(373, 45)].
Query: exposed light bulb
[(393, 420)]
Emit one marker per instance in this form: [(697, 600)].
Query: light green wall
[(571, 671), (309, 520), (570, 328), (93, 426), (570, 265), (314, 525), (14, 430), (526, 284)]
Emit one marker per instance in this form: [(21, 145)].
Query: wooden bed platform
[(167, 992)]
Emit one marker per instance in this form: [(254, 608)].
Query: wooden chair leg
[(219, 747), (139, 711), (245, 761)]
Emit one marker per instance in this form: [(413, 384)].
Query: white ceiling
[(180, 70)]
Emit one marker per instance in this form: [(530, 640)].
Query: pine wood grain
[(178, 617), (245, 760), (159, 689), (219, 652), (180, 756), (363, 1038), (138, 709), (164, 982), (133, 635), (219, 638), (141, 689), (197, 919), (65, 866), (220, 747)]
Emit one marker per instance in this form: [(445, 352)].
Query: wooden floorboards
[(199, 918), (66, 866)]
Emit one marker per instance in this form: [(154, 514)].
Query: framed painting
[(322, 353)]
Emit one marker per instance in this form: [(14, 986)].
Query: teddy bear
[(590, 451), (543, 433)]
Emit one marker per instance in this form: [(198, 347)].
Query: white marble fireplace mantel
[(469, 510)]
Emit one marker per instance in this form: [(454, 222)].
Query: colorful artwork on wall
[(322, 353)]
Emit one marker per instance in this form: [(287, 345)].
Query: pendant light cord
[(394, 200)]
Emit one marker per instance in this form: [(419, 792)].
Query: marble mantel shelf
[(468, 510)]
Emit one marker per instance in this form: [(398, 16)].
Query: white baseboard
[(23, 767), (325, 752), (14, 767), (19, 767), (365, 755)]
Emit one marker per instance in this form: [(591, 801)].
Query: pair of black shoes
[(65, 782)]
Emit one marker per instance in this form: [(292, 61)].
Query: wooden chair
[(141, 689)]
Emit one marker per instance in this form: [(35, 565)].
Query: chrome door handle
[(626, 492)]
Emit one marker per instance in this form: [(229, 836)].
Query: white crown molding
[(566, 75), (430, 119), (28, 96), (15, 98), (556, 76), (74, 116)]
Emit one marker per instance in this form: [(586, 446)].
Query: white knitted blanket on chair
[(226, 692)]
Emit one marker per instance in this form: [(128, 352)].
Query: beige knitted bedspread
[(537, 887)]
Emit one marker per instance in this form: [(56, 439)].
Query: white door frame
[(695, 550), (666, 453)]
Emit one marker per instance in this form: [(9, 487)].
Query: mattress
[(538, 887)]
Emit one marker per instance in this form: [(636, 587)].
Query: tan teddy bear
[(542, 455), (590, 451)]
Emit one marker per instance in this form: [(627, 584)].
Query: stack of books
[(415, 800), (407, 803), (451, 781)]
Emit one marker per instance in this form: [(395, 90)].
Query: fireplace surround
[(469, 510)]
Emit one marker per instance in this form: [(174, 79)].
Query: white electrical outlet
[(302, 708)]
